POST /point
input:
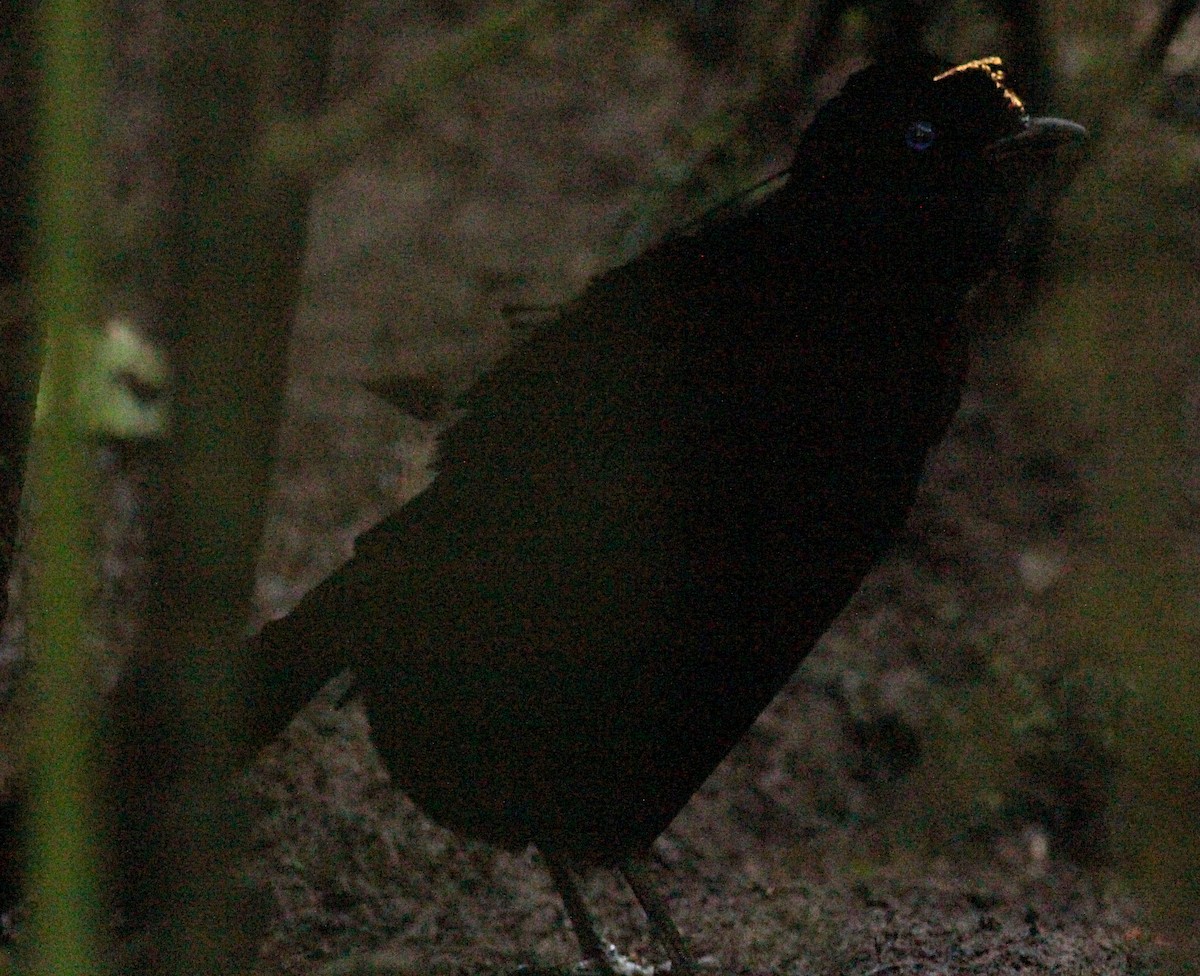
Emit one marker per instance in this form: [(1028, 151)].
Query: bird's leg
[(638, 875), (577, 911)]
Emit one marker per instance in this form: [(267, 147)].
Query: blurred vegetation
[(229, 279), (61, 723), (1101, 712), (123, 385), (317, 147), (1115, 345)]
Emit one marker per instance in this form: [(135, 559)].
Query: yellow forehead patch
[(995, 70)]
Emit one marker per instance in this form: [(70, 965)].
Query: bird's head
[(914, 147)]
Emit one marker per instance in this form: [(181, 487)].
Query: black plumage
[(651, 511)]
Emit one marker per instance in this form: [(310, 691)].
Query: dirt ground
[(362, 878)]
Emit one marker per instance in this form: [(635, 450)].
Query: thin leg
[(577, 911), (638, 875)]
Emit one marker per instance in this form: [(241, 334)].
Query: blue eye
[(920, 136)]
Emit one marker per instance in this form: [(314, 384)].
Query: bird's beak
[(1039, 137)]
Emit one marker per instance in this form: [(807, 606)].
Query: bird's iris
[(920, 136)]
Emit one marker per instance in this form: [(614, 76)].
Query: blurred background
[(992, 762)]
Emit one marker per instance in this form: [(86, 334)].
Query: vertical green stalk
[(61, 725)]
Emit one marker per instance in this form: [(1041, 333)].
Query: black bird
[(652, 510)]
